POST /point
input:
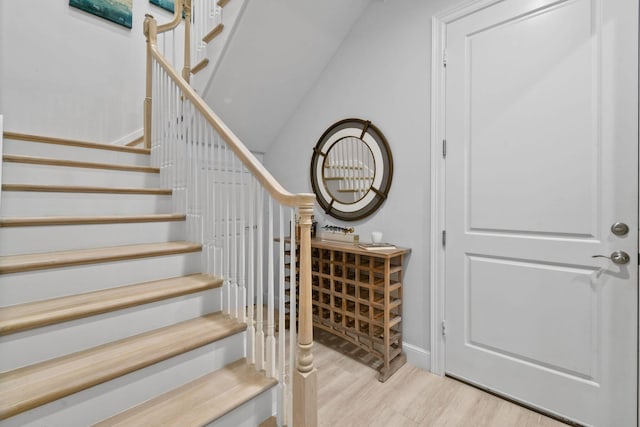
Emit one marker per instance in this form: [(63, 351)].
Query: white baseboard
[(128, 138), (417, 356)]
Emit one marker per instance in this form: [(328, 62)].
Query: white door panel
[(541, 125), (511, 136), (533, 335)]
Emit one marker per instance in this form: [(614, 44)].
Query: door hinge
[(444, 237), (444, 328), (444, 57), (444, 148)]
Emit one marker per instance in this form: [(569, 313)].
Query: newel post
[(186, 70), (150, 29), (305, 410)]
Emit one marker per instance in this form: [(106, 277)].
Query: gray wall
[(381, 73), (277, 52)]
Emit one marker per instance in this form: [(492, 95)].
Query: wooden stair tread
[(213, 33), (84, 189), (222, 3), (27, 262), (26, 388), (74, 143), (15, 158), (200, 66), (198, 402), (41, 313), (76, 220)]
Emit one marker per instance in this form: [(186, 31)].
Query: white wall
[(67, 73), (381, 73)]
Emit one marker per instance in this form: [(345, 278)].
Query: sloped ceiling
[(277, 52)]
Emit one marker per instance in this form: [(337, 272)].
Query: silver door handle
[(618, 257)]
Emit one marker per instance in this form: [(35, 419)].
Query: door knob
[(618, 257), (620, 229)]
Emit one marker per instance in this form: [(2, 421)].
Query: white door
[(542, 159)]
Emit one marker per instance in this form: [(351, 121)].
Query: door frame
[(439, 24)]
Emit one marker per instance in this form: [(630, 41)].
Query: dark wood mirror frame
[(351, 169)]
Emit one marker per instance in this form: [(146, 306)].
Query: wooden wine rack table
[(357, 295)]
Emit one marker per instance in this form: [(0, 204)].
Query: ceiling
[(278, 50)]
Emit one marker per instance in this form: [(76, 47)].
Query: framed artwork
[(118, 11), (165, 4)]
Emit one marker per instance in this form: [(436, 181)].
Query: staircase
[(106, 316)]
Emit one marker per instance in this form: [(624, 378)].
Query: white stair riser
[(249, 414), (29, 286), (32, 346), (25, 173), (34, 239), (66, 152), (102, 401), (34, 203)]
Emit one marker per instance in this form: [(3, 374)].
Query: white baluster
[(201, 200), (271, 341), (293, 310), (234, 237), (251, 282), (154, 115), (260, 350), (227, 232), (243, 247), (173, 49), (163, 143), (281, 319), (223, 227), (195, 25), (190, 184), (177, 141), (216, 206), (210, 190)]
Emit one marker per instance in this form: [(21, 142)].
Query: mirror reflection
[(348, 170)]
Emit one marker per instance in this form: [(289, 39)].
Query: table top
[(354, 248)]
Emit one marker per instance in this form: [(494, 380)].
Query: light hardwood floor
[(350, 395)]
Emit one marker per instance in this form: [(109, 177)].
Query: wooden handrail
[(267, 180), (177, 17)]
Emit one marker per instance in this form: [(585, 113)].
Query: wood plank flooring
[(350, 395)]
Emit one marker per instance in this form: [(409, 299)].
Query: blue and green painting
[(165, 4), (118, 11)]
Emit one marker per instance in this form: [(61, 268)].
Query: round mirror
[(351, 169)]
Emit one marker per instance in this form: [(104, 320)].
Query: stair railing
[(183, 45), (172, 37), (235, 209)]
